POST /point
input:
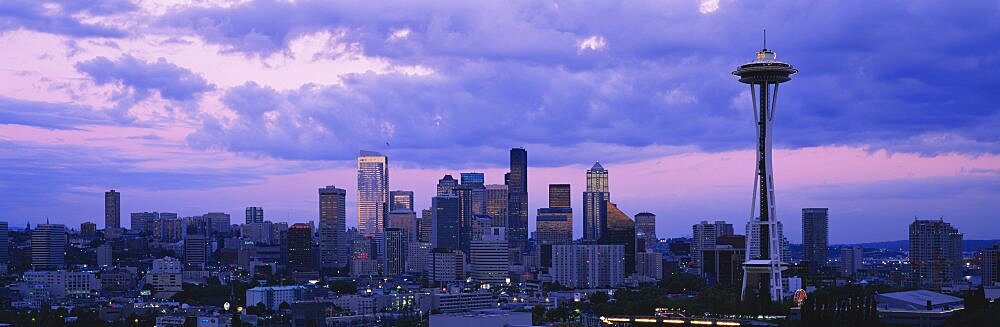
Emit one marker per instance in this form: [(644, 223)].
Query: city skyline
[(179, 117)]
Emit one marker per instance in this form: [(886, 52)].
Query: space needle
[(763, 273)]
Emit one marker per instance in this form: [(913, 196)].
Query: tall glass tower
[(373, 191), (595, 203), (762, 274), (517, 185)]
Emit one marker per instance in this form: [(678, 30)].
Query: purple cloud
[(172, 82), (62, 17)]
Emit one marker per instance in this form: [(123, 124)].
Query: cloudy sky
[(200, 106)]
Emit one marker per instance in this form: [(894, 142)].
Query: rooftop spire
[(765, 38)]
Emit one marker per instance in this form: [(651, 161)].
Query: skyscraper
[(254, 215), (48, 247), (645, 229), (405, 221), (517, 185), (396, 250), (762, 275), (595, 203), (196, 250), (554, 226), (465, 217), (991, 265), (4, 245), (142, 222), (426, 227), (621, 230), (753, 240), (112, 209), (704, 236), (488, 257), (373, 191), (935, 254), (588, 265), (473, 180), (814, 237), (400, 200), (332, 225), (497, 204), (446, 184), (851, 260), (300, 257), (559, 196), (445, 233)]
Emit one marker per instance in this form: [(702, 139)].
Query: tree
[(599, 298), (537, 315)]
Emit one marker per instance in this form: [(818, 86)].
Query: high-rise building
[(104, 258), (446, 184), (300, 256), (332, 225), (405, 221), (465, 215), (218, 223), (112, 209), (142, 222), (400, 201), (446, 229), (595, 203), (196, 251), (645, 229), (446, 266), (497, 203), (649, 265), (814, 238), (588, 265), (255, 215), (517, 185), (373, 191), (704, 236), (554, 226), (621, 230), (48, 247), (935, 254), (426, 226), (396, 242), (991, 265), (560, 196), (4, 246), (488, 257), (722, 264), (763, 273), (723, 228), (851, 260), (753, 240), (473, 180), (88, 229)]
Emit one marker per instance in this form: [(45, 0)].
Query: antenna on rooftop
[(765, 38)]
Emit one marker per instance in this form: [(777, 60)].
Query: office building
[(332, 225), (649, 265), (473, 180), (815, 238), (417, 254), (497, 203), (196, 251), (465, 216), (400, 201), (88, 230), (554, 226), (112, 209), (254, 215), (48, 247), (300, 256), (991, 265), (595, 200), (753, 242), (273, 296), (63, 284), (560, 196), (446, 184), (104, 258), (645, 230), (426, 226), (851, 260), (4, 246), (621, 230), (406, 221), (373, 191), (704, 237), (517, 212), (396, 241), (723, 265), (446, 266), (488, 257), (217, 224), (588, 265), (445, 233), (935, 254), (142, 222)]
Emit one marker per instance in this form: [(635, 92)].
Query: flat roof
[(920, 297)]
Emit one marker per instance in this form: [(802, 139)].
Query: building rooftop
[(920, 297)]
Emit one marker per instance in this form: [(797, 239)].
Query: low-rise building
[(273, 296), (917, 308)]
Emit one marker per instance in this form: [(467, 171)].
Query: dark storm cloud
[(172, 82)]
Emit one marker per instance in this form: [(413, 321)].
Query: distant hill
[(967, 245)]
